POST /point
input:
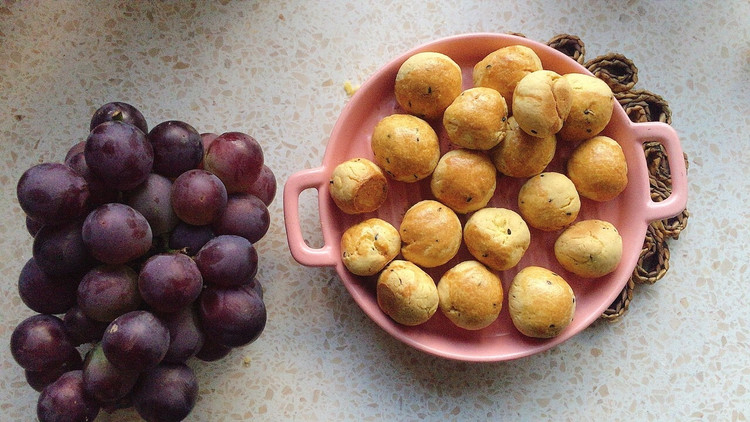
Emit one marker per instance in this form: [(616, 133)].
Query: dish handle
[(301, 251), (677, 200)]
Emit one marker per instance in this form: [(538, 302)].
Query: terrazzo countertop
[(276, 70)]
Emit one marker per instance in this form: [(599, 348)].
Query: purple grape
[(264, 186), (33, 226), (51, 193), (121, 112), (136, 341), (167, 393), (198, 197), (185, 335), (152, 199), (108, 291), (119, 154), (169, 282), (212, 351), (245, 215), (255, 286), (59, 249), (189, 239), (40, 343), (103, 381), (116, 233), (80, 328), (65, 400), (177, 148), (40, 379), (227, 261), (232, 316), (78, 147), (43, 293), (235, 158), (99, 193)]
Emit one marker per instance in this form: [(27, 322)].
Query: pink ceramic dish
[(631, 212)]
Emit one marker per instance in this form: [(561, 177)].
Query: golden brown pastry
[(430, 234), (598, 168), (465, 180), (541, 303), (368, 246), (406, 293), (522, 155), (503, 68), (358, 186), (592, 102), (476, 119), (427, 83), (541, 102), (549, 201), (589, 248), (497, 237), (405, 147), (471, 296)]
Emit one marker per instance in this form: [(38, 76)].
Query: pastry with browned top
[(476, 119), (358, 186), (464, 179), (522, 155), (430, 234), (541, 303), (368, 246), (541, 102), (503, 68), (497, 237), (406, 293), (589, 248), (598, 168), (549, 201), (405, 147), (471, 296), (427, 83), (592, 103)]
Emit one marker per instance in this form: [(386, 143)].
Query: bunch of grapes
[(143, 257)]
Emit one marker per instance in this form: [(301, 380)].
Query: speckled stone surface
[(276, 70)]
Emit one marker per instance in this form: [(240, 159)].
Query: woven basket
[(616, 70)]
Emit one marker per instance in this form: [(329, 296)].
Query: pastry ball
[(522, 155), (549, 201), (541, 102), (589, 248), (541, 303), (430, 234), (369, 246), (471, 296), (358, 186), (427, 83), (405, 147), (464, 180), (592, 102), (406, 293), (598, 168), (497, 237), (476, 119), (502, 69)]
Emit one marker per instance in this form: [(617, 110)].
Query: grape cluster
[(143, 257)]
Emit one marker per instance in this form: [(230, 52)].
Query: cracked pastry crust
[(430, 234), (589, 248), (541, 102), (471, 295), (358, 186), (522, 155), (503, 68), (464, 180), (367, 247), (598, 168), (405, 147), (592, 103), (540, 302), (476, 119), (549, 201), (427, 83), (406, 293), (497, 237)]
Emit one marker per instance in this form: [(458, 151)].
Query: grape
[(119, 154), (108, 291), (33, 226), (198, 197), (99, 193), (212, 351), (78, 147), (245, 215), (40, 379), (152, 199), (65, 400), (236, 159), (40, 343), (119, 111), (51, 193), (136, 341), (264, 186), (177, 148), (185, 335), (59, 249), (227, 260), (232, 316), (43, 293), (102, 380), (166, 393), (169, 282), (256, 286), (190, 239), (116, 233), (82, 329)]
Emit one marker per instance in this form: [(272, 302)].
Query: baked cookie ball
[(522, 155), (549, 201), (476, 119), (406, 293), (405, 147), (598, 168), (541, 102), (497, 237), (430, 234), (465, 180), (358, 186), (540, 302), (471, 296), (427, 83), (369, 246), (503, 68), (589, 248), (591, 106)]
